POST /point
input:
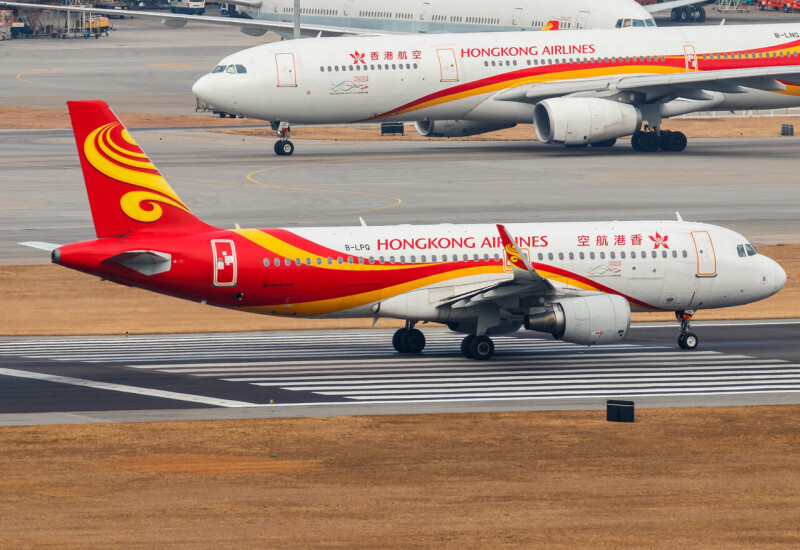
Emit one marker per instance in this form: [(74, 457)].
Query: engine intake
[(456, 128), (588, 320), (583, 120)]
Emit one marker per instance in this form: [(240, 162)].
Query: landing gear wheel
[(675, 15), (412, 341), (648, 142), (465, 345), (701, 14), (675, 141), (635, 141), (284, 148), (688, 341), (684, 15), (397, 339), (481, 348)]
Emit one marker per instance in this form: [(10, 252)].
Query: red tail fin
[(126, 191)]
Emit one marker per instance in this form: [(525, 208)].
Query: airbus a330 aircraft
[(577, 87), (576, 281), (354, 17)]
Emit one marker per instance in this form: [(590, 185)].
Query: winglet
[(520, 266)]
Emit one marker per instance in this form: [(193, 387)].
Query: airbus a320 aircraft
[(576, 281), (576, 87), (354, 17)]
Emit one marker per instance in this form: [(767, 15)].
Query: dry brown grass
[(677, 478), (52, 300)]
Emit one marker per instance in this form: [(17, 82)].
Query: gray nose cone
[(55, 256)]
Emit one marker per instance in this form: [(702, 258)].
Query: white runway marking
[(360, 366), (123, 388)]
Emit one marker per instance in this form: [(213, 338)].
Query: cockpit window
[(218, 69), (651, 22), (240, 69), (231, 69), (740, 250), (638, 22), (750, 250)]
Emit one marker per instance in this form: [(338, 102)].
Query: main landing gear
[(477, 347), (409, 339), (686, 340), (651, 141), (283, 147)]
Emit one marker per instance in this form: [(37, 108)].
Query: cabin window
[(266, 262), (591, 255), (231, 69), (684, 254), (330, 260), (277, 262), (622, 254), (663, 253), (339, 260), (654, 254), (319, 260), (602, 255), (571, 256), (485, 257), (350, 260), (549, 255), (560, 255), (581, 255), (287, 262), (297, 261), (674, 253), (308, 261), (612, 255)]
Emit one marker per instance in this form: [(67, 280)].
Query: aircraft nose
[(200, 88), (780, 277)]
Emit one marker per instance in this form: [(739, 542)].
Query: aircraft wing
[(664, 6), (683, 84), (526, 281), (253, 27)]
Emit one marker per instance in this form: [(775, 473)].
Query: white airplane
[(355, 17), (577, 281), (576, 87)]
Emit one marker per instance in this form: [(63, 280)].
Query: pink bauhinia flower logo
[(358, 58)]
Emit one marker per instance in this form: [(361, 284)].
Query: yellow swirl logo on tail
[(111, 150), (513, 256)]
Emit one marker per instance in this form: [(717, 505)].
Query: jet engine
[(584, 120), (587, 320), (457, 128)]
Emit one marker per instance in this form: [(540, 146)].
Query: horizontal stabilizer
[(146, 262), (49, 247)]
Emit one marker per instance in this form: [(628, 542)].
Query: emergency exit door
[(691, 58), (583, 17), (224, 262), (706, 258), (287, 72), (448, 65)]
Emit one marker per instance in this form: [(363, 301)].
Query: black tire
[(684, 15), (664, 139), (465, 345), (675, 15), (277, 149), (690, 341), (412, 341), (222, 115), (397, 338), (635, 139), (605, 143), (648, 142), (676, 142), (701, 18), (287, 147), (481, 348)]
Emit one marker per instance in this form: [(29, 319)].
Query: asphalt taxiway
[(173, 377), (748, 185)]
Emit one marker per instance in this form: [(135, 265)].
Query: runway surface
[(357, 372)]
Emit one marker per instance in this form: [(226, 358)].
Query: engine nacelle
[(583, 120), (456, 128), (587, 320)]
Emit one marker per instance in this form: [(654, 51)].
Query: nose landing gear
[(686, 340), (283, 147)]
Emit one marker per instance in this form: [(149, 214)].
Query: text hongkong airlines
[(148, 238), (516, 51)]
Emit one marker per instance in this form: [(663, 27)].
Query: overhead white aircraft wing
[(683, 84), (253, 27), (664, 6)]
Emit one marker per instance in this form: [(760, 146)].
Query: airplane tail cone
[(126, 191)]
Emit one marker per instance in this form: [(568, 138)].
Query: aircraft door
[(583, 17), (424, 14), (224, 262), (515, 19), (287, 71), (448, 64), (348, 7), (706, 258), (691, 58)]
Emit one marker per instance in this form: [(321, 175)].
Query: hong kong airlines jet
[(576, 281), (576, 87)]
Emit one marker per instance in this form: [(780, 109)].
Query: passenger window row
[(372, 67)]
